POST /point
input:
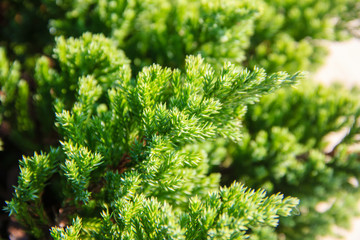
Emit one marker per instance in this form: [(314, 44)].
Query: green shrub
[(287, 34), (164, 31), (145, 150), (276, 35), (14, 103), (124, 170), (284, 152)]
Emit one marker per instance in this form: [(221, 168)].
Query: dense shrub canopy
[(140, 115)]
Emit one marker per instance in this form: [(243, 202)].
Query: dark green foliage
[(15, 103), (24, 31)]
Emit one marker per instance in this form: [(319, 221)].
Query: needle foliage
[(124, 169), (165, 119)]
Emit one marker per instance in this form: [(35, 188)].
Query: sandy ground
[(342, 65)]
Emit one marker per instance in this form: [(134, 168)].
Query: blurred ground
[(342, 65)]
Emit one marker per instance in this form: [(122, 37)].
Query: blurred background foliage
[(284, 145)]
